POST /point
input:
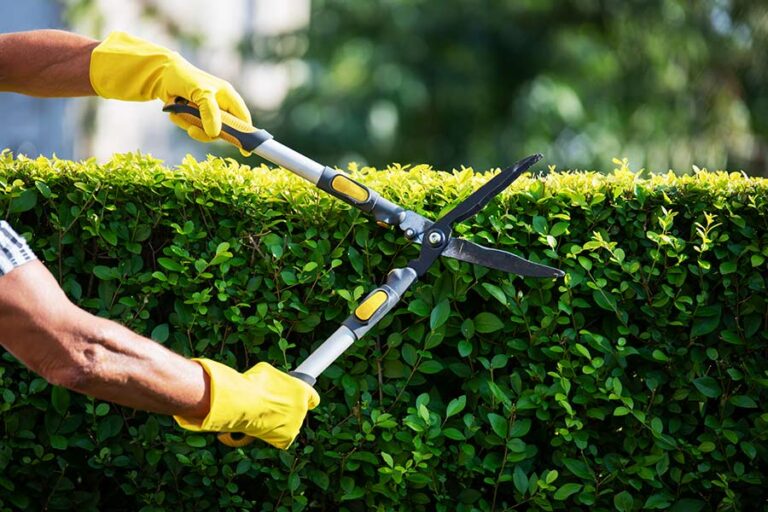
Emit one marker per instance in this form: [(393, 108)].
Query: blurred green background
[(667, 83), (481, 83)]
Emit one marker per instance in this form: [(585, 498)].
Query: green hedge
[(637, 382)]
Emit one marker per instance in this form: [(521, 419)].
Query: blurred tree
[(667, 83)]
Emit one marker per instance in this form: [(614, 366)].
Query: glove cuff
[(230, 393)]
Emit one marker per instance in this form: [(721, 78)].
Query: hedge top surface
[(227, 174)]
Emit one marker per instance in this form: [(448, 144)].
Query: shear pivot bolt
[(409, 233), (435, 238)]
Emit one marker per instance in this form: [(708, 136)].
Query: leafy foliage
[(637, 382)]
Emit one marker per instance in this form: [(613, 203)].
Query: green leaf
[(487, 323), (623, 501), (468, 328), (356, 259), (170, 264), (559, 228), (110, 236), (160, 333), (243, 467), (43, 188), (289, 277), (465, 348), (418, 307), (24, 202), (60, 400), (455, 406), (59, 442), (658, 500), (495, 292), (604, 299), (732, 337), (551, 476), (196, 441), (37, 385), (409, 354), (222, 248), (539, 224), (440, 314), (498, 393), (520, 480), (430, 367), (749, 449), (110, 426), (520, 427), (582, 351), (454, 433), (744, 401), (708, 387), (499, 424), (105, 273), (354, 494), (706, 321), (566, 490), (579, 468), (153, 456)]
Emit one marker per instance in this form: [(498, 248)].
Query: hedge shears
[(435, 237)]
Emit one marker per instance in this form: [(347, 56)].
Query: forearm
[(50, 63), (92, 355), (121, 366)]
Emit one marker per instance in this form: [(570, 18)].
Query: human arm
[(98, 357), (53, 63), (47, 63), (75, 349)]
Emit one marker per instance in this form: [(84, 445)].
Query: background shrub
[(637, 382)]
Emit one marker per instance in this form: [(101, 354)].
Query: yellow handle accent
[(227, 119), (372, 304), (235, 122), (349, 188), (235, 440)]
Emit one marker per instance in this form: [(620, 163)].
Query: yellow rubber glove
[(262, 402), (127, 68)]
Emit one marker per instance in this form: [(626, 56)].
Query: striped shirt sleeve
[(14, 250)]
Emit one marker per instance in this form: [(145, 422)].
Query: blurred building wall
[(35, 125)]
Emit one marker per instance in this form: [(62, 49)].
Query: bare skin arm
[(38, 324), (92, 355), (47, 63)]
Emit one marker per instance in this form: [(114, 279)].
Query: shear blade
[(483, 195), (500, 260)]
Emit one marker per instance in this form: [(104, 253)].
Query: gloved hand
[(262, 402), (127, 68)]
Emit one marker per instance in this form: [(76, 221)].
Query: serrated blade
[(500, 260)]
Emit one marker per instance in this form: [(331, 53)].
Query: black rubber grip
[(304, 377)]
